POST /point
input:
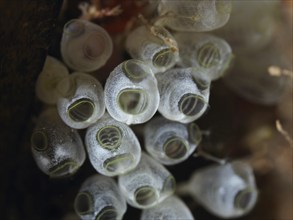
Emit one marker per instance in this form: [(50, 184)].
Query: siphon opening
[(164, 58), (107, 213), (243, 199), (135, 70), (175, 148), (119, 163), (81, 110), (39, 141), (208, 55), (133, 101), (191, 104), (109, 137), (83, 203), (145, 195)]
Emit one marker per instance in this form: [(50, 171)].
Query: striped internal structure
[(191, 104), (107, 213), (243, 198), (119, 163), (109, 137), (81, 110), (145, 195), (208, 55), (175, 148), (163, 58)]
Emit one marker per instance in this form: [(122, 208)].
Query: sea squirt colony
[(172, 67)]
